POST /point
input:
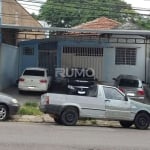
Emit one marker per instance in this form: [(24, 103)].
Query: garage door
[(83, 57)]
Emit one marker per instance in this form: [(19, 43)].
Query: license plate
[(31, 87)]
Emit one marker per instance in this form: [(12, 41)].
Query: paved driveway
[(31, 96), (35, 96), (22, 98)]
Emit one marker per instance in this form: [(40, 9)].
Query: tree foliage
[(68, 13)]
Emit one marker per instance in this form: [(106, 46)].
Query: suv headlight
[(14, 101)]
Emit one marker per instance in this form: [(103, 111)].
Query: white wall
[(111, 70), (8, 65)]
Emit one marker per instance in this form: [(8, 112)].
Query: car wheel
[(142, 121), (3, 112), (126, 124), (57, 120), (69, 116)]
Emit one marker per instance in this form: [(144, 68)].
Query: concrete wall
[(110, 69), (8, 65)]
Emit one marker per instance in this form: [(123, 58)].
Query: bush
[(30, 108), (31, 104)]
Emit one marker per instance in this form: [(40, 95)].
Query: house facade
[(107, 54)]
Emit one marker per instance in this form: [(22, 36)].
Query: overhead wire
[(58, 7)]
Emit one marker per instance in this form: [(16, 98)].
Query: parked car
[(101, 102), (34, 79), (8, 106), (80, 80), (130, 85)]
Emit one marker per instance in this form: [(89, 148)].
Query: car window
[(129, 83), (92, 91), (112, 93), (33, 73)]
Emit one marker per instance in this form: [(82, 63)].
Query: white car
[(34, 79)]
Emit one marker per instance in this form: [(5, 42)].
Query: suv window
[(33, 73), (129, 83)]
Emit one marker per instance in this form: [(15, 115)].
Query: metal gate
[(83, 57), (47, 59)]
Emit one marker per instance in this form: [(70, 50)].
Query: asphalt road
[(27, 136)]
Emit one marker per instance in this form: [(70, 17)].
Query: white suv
[(34, 79)]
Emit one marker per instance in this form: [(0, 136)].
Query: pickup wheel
[(57, 120), (126, 124), (142, 121), (69, 116)]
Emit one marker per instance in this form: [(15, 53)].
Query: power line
[(94, 4), (111, 14)]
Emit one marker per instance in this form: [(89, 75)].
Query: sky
[(135, 3)]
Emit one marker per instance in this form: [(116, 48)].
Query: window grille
[(125, 56), (28, 51), (83, 51)]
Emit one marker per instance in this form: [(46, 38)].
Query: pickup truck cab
[(101, 102)]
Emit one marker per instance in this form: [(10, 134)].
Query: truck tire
[(4, 113), (126, 124), (69, 116), (142, 121)]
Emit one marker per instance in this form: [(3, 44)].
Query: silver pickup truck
[(100, 102)]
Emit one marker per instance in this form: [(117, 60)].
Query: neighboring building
[(108, 54), (13, 14)]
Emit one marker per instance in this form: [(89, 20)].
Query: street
[(33, 136)]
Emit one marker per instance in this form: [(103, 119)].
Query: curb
[(45, 118)]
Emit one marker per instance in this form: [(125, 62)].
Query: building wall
[(8, 65), (28, 60), (110, 69)]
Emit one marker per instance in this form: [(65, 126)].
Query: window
[(129, 83), (92, 91), (83, 51), (28, 51), (33, 73), (112, 93), (125, 56)]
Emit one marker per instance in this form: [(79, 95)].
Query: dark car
[(80, 80), (131, 85), (8, 106)]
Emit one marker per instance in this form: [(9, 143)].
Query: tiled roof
[(14, 14), (99, 23)]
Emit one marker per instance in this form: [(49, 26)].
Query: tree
[(68, 13)]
